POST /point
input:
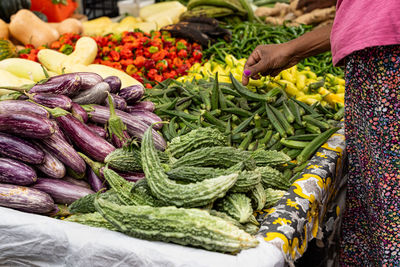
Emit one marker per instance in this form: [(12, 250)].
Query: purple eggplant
[(141, 106), (17, 148), (97, 130), (15, 172), (150, 118), (132, 93), (61, 191), (95, 95), (132, 176), (58, 145), (51, 165), (114, 82), (25, 199), (89, 142), (76, 181), (78, 112), (21, 106), (135, 125), (51, 100), (89, 79), (64, 84), (26, 125), (95, 182), (119, 102)]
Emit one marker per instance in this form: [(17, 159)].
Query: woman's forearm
[(311, 43)]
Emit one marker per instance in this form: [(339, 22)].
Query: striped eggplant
[(21, 106), (95, 182), (142, 105), (15, 172), (78, 112), (150, 118), (64, 151), (51, 166), (89, 79), (26, 125), (25, 199), (132, 93), (114, 82), (119, 102), (64, 84), (61, 191), (51, 100), (76, 181), (95, 95), (132, 176), (100, 131), (89, 142), (17, 148), (135, 126)]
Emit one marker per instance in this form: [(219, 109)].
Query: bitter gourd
[(141, 195), (94, 219), (219, 157), (128, 159), (124, 159), (121, 186), (273, 178), (196, 174), (236, 205), (251, 228), (192, 227), (246, 181), (258, 197), (86, 204), (273, 196), (198, 138), (270, 157), (173, 193)]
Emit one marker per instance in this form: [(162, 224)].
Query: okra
[(300, 167), (309, 150), (213, 120), (246, 141), (205, 96), (293, 153), (274, 121), (305, 106), (246, 92), (179, 113), (295, 111), (339, 114), (188, 124), (172, 128), (274, 139), (288, 114), (266, 138), (294, 143), (242, 125), (312, 128), (287, 174), (320, 124), (229, 91), (281, 118), (277, 146), (237, 111), (303, 137), (215, 93)]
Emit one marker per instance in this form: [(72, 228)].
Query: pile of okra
[(251, 120)]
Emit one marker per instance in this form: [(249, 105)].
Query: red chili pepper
[(162, 65), (126, 53), (115, 55), (197, 55), (148, 86), (139, 61), (182, 53), (149, 64)]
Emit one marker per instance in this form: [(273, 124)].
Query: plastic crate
[(98, 8)]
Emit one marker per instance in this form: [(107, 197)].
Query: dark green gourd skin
[(192, 227), (180, 195), (236, 205)]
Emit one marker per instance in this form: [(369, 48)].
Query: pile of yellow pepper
[(304, 85)]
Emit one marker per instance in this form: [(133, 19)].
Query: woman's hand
[(268, 60)]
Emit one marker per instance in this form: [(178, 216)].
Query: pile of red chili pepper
[(148, 57)]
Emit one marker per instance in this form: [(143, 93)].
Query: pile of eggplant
[(47, 131)]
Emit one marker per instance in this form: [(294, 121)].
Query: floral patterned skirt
[(371, 223)]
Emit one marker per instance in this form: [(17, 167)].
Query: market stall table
[(29, 239)]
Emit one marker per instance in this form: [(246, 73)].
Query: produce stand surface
[(34, 240)]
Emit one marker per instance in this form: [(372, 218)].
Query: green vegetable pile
[(246, 36)]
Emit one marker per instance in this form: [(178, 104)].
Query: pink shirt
[(364, 23)]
